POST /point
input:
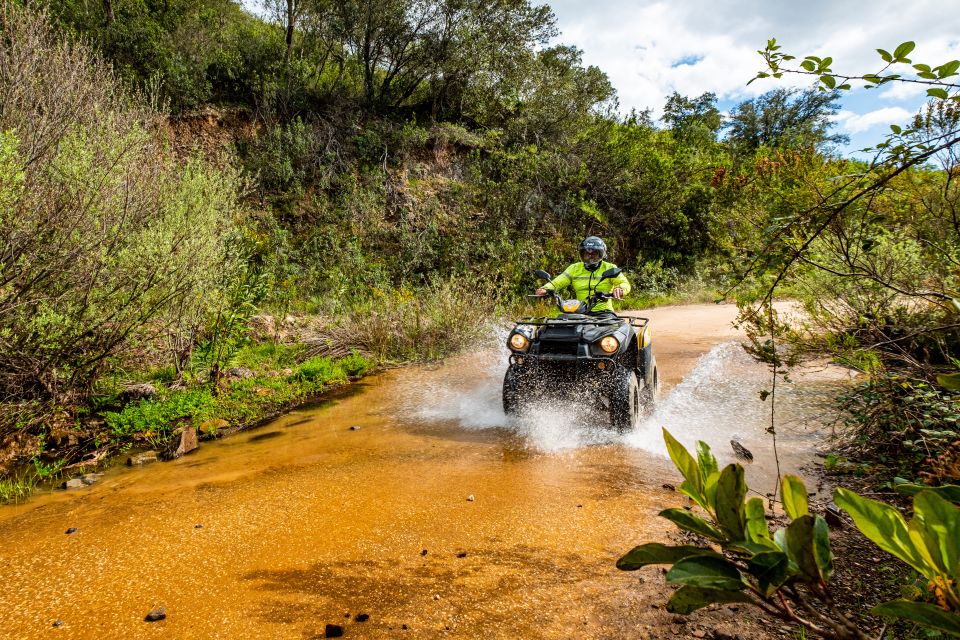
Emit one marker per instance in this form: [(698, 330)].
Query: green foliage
[(319, 369), (764, 569), (112, 236), (16, 489), (904, 424), (929, 543), (160, 416)]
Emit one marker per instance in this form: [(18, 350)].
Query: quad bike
[(604, 359)]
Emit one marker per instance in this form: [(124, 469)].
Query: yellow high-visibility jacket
[(585, 282)]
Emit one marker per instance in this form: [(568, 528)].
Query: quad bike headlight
[(609, 344), (519, 342)]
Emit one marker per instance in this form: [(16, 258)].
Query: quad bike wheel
[(512, 393), (651, 387), (625, 402)]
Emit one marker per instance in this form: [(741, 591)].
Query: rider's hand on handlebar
[(541, 292), (618, 293)]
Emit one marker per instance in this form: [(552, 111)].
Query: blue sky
[(650, 48)]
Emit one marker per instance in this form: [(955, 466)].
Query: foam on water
[(717, 401)]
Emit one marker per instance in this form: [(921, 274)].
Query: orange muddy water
[(433, 517)]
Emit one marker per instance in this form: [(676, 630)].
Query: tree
[(693, 119), (784, 118)]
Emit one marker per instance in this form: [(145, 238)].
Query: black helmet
[(595, 246)]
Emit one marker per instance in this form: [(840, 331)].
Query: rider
[(584, 277)]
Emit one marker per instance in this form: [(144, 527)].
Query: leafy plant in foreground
[(786, 573)]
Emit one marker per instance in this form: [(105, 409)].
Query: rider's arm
[(561, 281), (622, 282)]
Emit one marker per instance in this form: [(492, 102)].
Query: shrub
[(111, 237), (158, 417)]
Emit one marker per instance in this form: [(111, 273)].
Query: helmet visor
[(590, 257)]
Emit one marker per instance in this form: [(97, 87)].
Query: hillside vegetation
[(375, 175)]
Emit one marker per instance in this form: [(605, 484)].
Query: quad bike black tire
[(625, 402), (648, 395), (512, 392)]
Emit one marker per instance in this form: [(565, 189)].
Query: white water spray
[(717, 401)]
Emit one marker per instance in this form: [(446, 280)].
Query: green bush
[(115, 235), (161, 416), (319, 370), (355, 365)]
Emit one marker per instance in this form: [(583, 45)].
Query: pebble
[(156, 614), (71, 530), (424, 552), (198, 526), (362, 617), (470, 498), (355, 427), (462, 554), (333, 631), (436, 596), (58, 622)]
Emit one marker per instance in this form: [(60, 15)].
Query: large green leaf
[(884, 525), (939, 521), (821, 548), (794, 497), (693, 480), (706, 571), (756, 521), (949, 492), (689, 522), (731, 490), (949, 381), (799, 537), (689, 598), (770, 569), (706, 459), (709, 471), (655, 553), (923, 613)]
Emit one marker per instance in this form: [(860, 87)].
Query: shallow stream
[(412, 499)]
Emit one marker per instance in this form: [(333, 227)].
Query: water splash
[(716, 402)]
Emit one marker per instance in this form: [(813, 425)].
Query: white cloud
[(639, 43), (903, 91), (851, 122)]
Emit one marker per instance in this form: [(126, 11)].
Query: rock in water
[(188, 442), (141, 459), (741, 451), (156, 614)]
